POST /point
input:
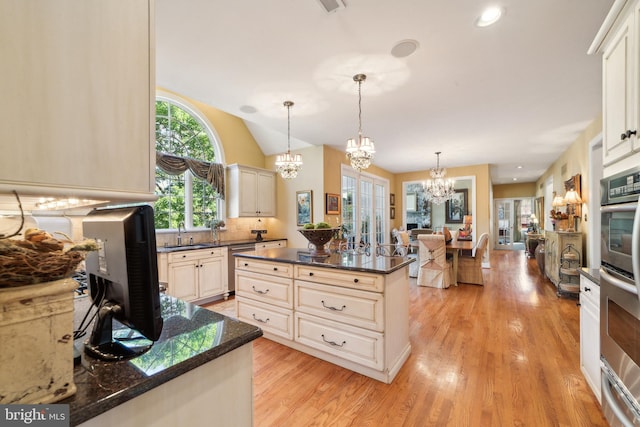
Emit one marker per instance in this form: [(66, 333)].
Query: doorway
[(511, 223)]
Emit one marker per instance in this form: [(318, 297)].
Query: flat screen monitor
[(411, 226), (123, 281)]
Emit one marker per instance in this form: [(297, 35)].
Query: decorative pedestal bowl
[(318, 237)]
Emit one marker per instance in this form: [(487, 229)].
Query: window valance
[(213, 173)]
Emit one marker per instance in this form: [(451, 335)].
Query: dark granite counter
[(226, 243), (343, 261), (592, 274), (191, 336)]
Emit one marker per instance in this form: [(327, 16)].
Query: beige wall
[(575, 160), (514, 191)]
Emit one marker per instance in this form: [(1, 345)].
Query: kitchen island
[(348, 309), (201, 367)]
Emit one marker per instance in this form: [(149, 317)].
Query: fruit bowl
[(318, 237)]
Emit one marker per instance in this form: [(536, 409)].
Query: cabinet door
[(248, 192), (266, 195), (590, 334), (212, 277), (183, 280), (77, 98), (619, 93)]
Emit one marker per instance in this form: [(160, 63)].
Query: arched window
[(185, 199)]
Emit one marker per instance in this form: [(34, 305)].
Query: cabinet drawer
[(264, 267), (271, 319), (270, 245), (590, 291), (357, 345), (354, 307), (350, 279), (188, 255), (269, 289)]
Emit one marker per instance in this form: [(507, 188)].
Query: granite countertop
[(225, 243), (191, 336), (344, 261), (592, 274)]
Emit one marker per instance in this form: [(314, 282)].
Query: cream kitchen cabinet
[(251, 192), (272, 244), (78, 110), (264, 295), (357, 320), (195, 275), (619, 42), (590, 334)]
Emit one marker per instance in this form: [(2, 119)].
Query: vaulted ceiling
[(516, 93)]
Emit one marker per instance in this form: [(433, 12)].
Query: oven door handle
[(618, 283), (635, 246), (611, 400)]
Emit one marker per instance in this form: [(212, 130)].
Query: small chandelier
[(286, 164), (438, 188), (360, 152)]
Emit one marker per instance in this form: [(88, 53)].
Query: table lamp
[(572, 198), (468, 220)]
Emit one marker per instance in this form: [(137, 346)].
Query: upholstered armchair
[(434, 268), (470, 267)]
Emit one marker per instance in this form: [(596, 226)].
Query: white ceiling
[(513, 94)]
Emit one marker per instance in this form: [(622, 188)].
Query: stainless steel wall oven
[(620, 298)]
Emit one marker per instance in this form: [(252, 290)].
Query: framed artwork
[(304, 207), (392, 199), (456, 207), (412, 202), (332, 204), (392, 213)]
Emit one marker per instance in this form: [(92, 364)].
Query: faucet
[(179, 235)]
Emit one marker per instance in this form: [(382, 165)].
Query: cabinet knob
[(246, 264), (587, 289), (355, 280), (311, 273), (627, 134), (275, 268)]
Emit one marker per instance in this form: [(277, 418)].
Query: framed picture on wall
[(456, 208), (392, 199), (304, 207), (392, 213), (332, 204)]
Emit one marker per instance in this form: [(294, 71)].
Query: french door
[(503, 224), (364, 207)]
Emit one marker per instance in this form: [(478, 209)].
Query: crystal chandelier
[(438, 188), (360, 152), (288, 165)]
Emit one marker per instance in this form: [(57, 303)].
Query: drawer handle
[(311, 273), (333, 343), (275, 268), (259, 291), (246, 264), (355, 280), (587, 289), (333, 308), (257, 319)]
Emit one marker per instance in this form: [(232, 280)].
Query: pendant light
[(286, 164), (438, 188), (360, 152)]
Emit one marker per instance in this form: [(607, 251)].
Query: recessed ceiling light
[(515, 179), (489, 16), (519, 166), (404, 48)]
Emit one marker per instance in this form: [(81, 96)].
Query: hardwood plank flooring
[(503, 354)]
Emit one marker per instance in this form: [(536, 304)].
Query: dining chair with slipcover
[(470, 267), (434, 268)]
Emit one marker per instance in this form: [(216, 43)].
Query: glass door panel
[(504, 224)]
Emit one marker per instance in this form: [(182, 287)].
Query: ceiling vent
[(332, 5)]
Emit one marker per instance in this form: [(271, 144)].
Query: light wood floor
[(506, 354)]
